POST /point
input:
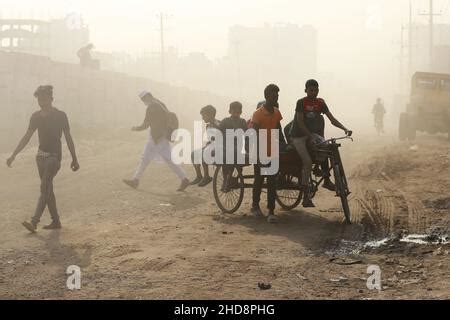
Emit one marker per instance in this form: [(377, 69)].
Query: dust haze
[(190, 54), (234, 49)]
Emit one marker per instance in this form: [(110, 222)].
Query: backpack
[(172, 120), (172, 123)]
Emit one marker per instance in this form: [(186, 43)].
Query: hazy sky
[(202, 25), (358, 35)]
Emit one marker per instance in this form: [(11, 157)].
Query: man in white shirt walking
[(158, 141)]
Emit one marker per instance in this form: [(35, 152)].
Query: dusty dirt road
[(154, 243)]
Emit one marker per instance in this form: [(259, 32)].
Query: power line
[(162, 17), (431, 16), (446, 7)]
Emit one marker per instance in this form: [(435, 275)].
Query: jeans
[(48, 167)]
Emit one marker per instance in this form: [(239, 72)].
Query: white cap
[(143, 94)]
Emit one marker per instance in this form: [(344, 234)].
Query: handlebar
[(333, 140)]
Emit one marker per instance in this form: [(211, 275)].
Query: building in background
[(284, 54), (58, 39), (256, 56)]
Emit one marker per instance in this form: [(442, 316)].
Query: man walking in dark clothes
[(50, 124)]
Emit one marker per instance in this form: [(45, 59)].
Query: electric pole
[(161, 17), (238, 66), (402, 56), (431, 33), (431, 15), (410, 40)]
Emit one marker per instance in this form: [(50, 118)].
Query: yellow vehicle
[(429, 107)]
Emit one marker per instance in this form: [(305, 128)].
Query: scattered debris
[(376, 244), (301, 277), (435, 235), (346, 248), (340, 280), (409, 281), (391, 261), (332, 210), (425, 239), (393, 279), (438, 252), (345, 262), (166, 204), (264, 286), (440, 204)]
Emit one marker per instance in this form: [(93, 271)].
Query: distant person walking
[(379, 111), (157, 118), (50, 124)]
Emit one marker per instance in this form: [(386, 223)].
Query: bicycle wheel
[(228, 199), (341, 192), (288, 193)]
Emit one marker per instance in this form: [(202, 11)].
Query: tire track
[(383, 207)]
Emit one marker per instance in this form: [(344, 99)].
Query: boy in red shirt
[(309, 122)]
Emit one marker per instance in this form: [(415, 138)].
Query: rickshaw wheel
[(288, 199), (228, 200)]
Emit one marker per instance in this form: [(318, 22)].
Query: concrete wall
[(92, 99)]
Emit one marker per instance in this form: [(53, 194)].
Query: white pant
[(160, 150)]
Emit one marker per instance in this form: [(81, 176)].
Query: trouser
[(198, 154), (48, 167), (379, 120), (257, 188), (162, 149), (325, 165), (302, 150)]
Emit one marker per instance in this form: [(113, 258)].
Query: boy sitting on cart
[(233, 122), (308, 121), (208, 114)]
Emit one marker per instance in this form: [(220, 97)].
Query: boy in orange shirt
[(267, 117)]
